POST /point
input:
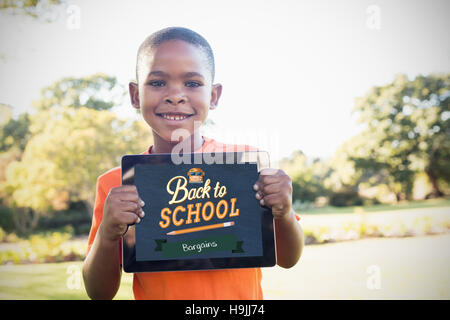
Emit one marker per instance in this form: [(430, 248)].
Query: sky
[(290, 69)]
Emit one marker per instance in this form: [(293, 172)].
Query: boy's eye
[(192, 84), (156, 83)]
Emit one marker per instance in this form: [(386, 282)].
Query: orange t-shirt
[(204, 284)]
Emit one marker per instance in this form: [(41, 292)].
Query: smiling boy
[(175, 90)]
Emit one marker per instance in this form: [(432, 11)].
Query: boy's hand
[(274, 190), (122, 207)]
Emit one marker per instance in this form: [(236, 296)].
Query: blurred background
[(350, 98)]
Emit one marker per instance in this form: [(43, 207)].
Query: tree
[(361, 160), (15, 133), (31, 8), (61, 163), (98, 91), (409, 121), (5, 113), (307, 178), (344, 174), (54, 156)]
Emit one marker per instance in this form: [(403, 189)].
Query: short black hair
[(175, 33)]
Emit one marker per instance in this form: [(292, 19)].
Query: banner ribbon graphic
[(199, 246)]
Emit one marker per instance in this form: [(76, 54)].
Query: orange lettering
[(165, 218), (174, 216), (234, 212), (211, 212), (196, 213), (224, 213)]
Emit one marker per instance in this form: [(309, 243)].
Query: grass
[(50, 281), (432, 203), (409, 268)]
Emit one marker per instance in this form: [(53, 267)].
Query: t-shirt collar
[(206, 142)]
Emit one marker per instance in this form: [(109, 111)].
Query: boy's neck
[(193, 143)]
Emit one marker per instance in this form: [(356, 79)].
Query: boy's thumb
[(268, 171)]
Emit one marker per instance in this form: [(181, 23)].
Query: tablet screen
[(197, 215), (198, 211)]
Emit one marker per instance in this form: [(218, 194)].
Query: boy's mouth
[(174, 116)]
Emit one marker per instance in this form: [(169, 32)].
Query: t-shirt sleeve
[(104, 184), (297, 216), (100, 197)]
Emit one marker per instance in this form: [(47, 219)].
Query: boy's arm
[(289, 240), (274, 190), (101, 268)]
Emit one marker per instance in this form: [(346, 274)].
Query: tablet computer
[(200, 212)]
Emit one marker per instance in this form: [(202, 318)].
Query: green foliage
[(98, 92), (5, 113), (54, 156), (75, 218), (2, 234), (307, 178), (344, 198), (62, 162), (358, 226), (52, 247), (407, 129), (6, 219), (344, 174), (32, 8), (15, 133)]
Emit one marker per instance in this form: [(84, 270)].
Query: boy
[(175, 91)]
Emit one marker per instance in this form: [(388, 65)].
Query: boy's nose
[(175, 98)]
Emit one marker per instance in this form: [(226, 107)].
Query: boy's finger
[(273, 201), (265, 180), (268, 179), (270, 189), (265, 176), (132, 196), (130, 206), (268, 171), (128, 188), (141, 213), (130, 218)]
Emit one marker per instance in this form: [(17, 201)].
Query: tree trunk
[(433, 179), (25, 219)]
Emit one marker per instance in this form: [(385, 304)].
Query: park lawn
[(51, 281), (431, 203), (408, 268)]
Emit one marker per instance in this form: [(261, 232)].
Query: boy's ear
[(134, 94), (215, 95)]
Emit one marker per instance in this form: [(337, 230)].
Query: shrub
[(52, 247), (2, 234), (6, 219), (345, 198), (300, 206)]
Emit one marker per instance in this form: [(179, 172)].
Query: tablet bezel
[(268, 259)]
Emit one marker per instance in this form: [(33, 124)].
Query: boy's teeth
[(177, 117)]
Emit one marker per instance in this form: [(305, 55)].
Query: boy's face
[(175, 89)]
